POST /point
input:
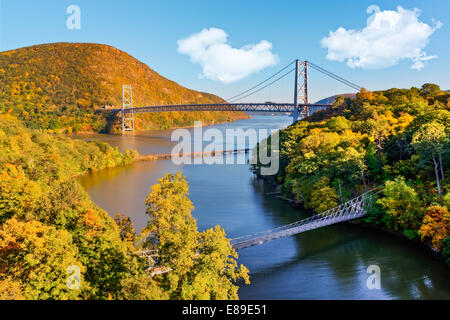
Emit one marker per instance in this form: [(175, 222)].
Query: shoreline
[(146, 130), (360, 223), (156, 157)]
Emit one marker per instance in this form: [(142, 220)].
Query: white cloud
[(390, 36), (222, 62)]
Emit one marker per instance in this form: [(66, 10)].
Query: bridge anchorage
[(299, 109), (351, 210)]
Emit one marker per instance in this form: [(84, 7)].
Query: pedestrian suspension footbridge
[(351, 210)]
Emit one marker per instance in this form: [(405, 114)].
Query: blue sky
[(149, 30)]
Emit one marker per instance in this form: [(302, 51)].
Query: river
[(329, 263)]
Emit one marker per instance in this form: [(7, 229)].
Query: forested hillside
[(50, 229), (397, 137), (64, 87)]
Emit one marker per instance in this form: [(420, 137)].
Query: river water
[(329, 263)]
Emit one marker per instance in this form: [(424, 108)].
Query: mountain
[(332, 99), (63, 87)]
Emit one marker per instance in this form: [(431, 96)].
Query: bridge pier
[(127, 103), (300, 90)]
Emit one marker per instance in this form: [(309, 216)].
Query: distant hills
[(62, 86), (332, 99)]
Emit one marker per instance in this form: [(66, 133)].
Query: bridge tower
[(301, 90), (127, 102)]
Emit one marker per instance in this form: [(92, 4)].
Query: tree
[(446, 200), (171, 229), (37, 258), (10, 290), (338, 124), (202, 265), (215, 270), (428, 141), (126, 226), (379, 133), (371, 161), (18, 195), (436, 226), (323, 197), (446, 250), (430, 90), (142, 287), (402, 206)]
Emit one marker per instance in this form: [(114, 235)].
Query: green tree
[(202, 265), (428, 141), (430, 90), (402, 206), (215, 271), (446, 250), (37, 257), (171, 229), (338, 124), (126, 226), (446, 200), (323, 197), (142, 287)]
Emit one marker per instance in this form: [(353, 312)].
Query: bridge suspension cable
[(264, 84), (239, 96), (334, 76), (262, 88)]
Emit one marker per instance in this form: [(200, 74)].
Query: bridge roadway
[(246, 107)]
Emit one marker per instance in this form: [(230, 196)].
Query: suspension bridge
[(298, 109), (353, 209)]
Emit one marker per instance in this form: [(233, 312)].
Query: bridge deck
[(246, 107)]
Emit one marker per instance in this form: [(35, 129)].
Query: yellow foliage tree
[(203, 265), (37, 257)]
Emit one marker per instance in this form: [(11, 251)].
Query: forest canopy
[(50, 228), (399, 138)]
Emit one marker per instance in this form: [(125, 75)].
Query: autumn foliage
[(68, 87), (399, 138)]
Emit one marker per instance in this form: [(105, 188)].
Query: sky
[(226, 46)]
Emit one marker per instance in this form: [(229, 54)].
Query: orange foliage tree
[(436, 226)]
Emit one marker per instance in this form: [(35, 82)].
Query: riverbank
[(399, 236), (328, 263), (179, 119), (156, 157), (360, 223)]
